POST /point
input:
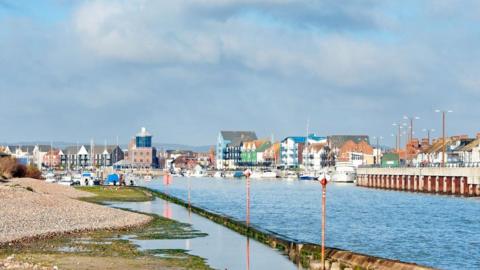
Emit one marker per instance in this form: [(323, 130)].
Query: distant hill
[(159, 146)]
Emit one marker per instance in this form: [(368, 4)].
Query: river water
[(431, 230), (222, 248)]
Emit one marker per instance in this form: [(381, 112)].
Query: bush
[(20, 171), (33, 172), (10, 168)]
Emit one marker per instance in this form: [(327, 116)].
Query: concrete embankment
[(32, 209), (447, 181), (307, 255)]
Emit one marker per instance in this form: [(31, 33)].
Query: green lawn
[(116, 193)]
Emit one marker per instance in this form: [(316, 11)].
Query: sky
[(85, 69)]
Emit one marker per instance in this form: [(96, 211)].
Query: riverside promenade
[(438, 180)]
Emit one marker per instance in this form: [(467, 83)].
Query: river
[(431, 230)]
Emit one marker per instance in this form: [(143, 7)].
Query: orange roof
[(315, 147), (361, 147)]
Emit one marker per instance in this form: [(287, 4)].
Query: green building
[(390, 160), (251, 149)]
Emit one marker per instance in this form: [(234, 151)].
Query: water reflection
[(248, 253), (222, 248), (167, 210), (248, 220)]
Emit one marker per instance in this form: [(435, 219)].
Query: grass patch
[(117, 194)]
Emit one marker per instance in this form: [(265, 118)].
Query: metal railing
[(427, 165)]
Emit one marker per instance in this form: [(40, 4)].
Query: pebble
[(29, 215)]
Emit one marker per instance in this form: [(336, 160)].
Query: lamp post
[(324, 183), (429, 131), (400, 127), (411, 119), (397, 143), (396, 140), (444, 113), (377, 154)]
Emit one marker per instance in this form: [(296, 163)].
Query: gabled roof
[(43, 147), (235, 138), (315, 147), (256, 143), (437, 146), (471, 145), (337, 141), (265, 144), (99, 149), (24, 148), (461, 144)]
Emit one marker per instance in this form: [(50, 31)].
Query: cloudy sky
[(75, 70)]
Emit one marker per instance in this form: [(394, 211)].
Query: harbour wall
[(305, 255), (438, 180)]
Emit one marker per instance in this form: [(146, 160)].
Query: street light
[(400, 127), (429, 131), (444, 113), (377, 154), (411, 118), (396, 140)]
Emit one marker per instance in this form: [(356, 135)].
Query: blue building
[(228, 148), (143, 139), (141, 153)]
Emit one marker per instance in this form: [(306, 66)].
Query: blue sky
[(76, 70)]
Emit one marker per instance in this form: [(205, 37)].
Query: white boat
[(199, 174), (87, 179), (308, 176), (263, 175), (344, 173), (218, 174), (66, 180), (255, 175), (76, 178), (229, 174), (269, 175), (50, 177), (147, 178), (292, 175)]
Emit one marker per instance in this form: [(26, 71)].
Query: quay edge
[(306, 255), (437, 180)]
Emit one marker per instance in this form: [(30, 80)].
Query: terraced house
[(252, 152), (229, 148)]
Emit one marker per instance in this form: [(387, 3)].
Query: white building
[(291, 149), (316, 156)]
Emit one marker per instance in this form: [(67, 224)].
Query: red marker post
[(247, 174), (324, 183)]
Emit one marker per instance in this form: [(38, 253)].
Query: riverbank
[(76, 234), (32, 209)]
